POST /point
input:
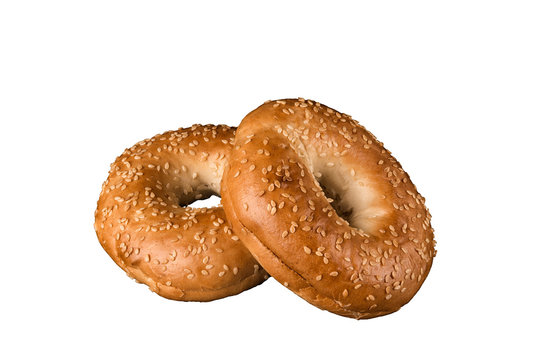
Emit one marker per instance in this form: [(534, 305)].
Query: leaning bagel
[(181, 253), (364, 255)]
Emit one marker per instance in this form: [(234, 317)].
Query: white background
[(451, 88)]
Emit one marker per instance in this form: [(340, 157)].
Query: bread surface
[(144, 223), (327, 210)]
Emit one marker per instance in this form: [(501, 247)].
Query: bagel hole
[(330, 191), (202, 199)]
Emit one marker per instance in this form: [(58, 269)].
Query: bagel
[(363, 255), (142, 221)]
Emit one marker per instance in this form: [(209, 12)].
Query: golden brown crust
[(287, 153), (181, 253)]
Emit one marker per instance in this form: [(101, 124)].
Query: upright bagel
[(181, 253), (364, 255)]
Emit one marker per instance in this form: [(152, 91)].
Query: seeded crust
[(289, 155), (181, 253)]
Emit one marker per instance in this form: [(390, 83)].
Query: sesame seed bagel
[(365, 253), (141, 221)]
